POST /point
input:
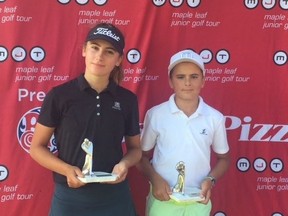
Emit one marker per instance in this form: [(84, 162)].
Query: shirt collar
[(83, 85), (175, 109)]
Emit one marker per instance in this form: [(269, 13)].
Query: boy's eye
[(195, 76)]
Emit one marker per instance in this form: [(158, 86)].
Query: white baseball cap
[(186, 56)]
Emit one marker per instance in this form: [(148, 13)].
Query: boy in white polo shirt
[(183, 129)]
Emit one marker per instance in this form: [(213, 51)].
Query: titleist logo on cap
[(107, 32)]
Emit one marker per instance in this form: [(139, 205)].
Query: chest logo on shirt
[(204, 132), (116, 106)]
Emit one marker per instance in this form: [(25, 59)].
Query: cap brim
[(171, 66), (111, 41)]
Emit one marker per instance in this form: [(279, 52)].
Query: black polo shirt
[(77, 112)]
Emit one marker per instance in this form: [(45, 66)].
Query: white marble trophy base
[(190, 195), (98, 177)]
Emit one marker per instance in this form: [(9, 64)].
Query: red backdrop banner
[(245, 50)]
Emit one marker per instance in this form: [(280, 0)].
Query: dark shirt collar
[(83, 85)]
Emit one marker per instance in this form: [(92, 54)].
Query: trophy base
[(191, 195), (99, 177)]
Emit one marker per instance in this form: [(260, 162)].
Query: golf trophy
[(180, 193), (89, 175)]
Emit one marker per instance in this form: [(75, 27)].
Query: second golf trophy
[(181, 193)]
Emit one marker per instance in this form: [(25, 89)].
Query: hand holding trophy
[(180, 193), (89, 175)]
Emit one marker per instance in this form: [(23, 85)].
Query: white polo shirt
[(177, 137)]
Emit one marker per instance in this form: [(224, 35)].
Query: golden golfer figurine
[(89, 175), (181, 193), (180, 185)]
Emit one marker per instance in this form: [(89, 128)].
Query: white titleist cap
[(186, 56)]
